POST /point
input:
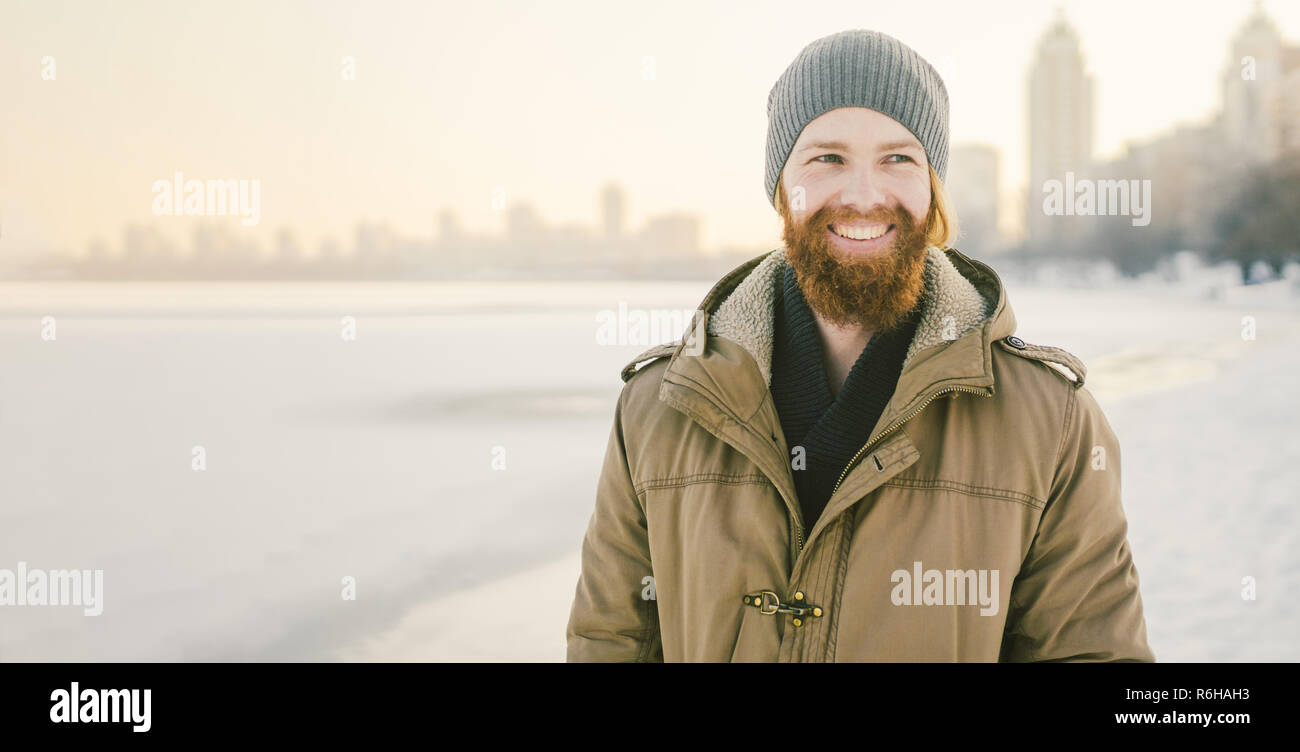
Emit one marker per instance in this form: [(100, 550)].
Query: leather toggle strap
[(768, 602)]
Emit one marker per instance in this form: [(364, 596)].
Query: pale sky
[(546, 100)]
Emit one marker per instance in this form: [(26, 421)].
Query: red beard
[(875, 290)]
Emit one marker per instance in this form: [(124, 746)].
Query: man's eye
[(836, 156), (904, 156)]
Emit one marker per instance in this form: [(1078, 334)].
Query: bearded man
[(860, 461)]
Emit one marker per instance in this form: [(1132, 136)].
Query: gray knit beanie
[(857, 68)]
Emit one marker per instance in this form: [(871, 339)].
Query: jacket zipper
[(887, 431), (892, 428)]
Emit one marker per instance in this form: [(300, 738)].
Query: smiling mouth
[(861, 232)]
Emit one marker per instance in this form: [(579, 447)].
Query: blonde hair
[(942, 229), (941, 226)]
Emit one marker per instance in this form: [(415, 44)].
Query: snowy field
[(373, 459)]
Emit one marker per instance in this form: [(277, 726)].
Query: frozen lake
[(372, 458)]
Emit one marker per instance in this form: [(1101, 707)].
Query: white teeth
[(860, 232)]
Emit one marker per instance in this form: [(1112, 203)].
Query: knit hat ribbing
[(857, 68)]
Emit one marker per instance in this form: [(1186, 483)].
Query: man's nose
[(863, 191)]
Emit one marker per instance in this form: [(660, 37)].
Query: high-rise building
[(670, 235), (613, 211), (448, 227), (1253, 68), (973, 187), (1060, 128), (1261, 119), (1288, 107)]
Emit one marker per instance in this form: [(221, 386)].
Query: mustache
[(826, 216)]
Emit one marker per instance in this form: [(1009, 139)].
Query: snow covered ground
[(374, 459)]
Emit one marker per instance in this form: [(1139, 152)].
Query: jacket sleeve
[(1076, 597), (614, 615)]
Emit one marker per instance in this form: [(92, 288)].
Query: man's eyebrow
[(841, 146)]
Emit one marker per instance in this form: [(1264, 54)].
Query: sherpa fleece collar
[(951, 306)]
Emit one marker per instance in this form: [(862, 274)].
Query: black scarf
[(831, 430)]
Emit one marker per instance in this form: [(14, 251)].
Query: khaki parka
[(981, 522)]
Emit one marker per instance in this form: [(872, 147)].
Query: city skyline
[(51, 208)]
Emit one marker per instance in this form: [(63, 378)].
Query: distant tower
[(613, 211), (448, 227), (973, 185), (287, 251), (1060, 125), (1251, 115), (522, 222), (672, 235), (525, 233)]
